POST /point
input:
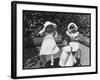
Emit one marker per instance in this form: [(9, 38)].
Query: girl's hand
[(65, 42)]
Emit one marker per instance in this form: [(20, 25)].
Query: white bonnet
[(72, 24)]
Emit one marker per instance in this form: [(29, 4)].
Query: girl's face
[(73, 31)]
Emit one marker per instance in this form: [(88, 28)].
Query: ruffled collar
[(49, 36)]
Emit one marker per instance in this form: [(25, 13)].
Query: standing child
[(67, 58), (49, 46)]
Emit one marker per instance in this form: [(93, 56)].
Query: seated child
[(67, 58)]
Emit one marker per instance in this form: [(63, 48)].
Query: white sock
[(51, 63)]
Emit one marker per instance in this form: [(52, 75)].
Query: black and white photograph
[(53, 39)]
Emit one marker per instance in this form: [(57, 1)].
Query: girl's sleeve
[(68, 34), (76, 36)]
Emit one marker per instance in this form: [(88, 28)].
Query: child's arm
[(76, 36)]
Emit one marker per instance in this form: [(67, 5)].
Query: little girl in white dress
[(49, 46), (67, 58)]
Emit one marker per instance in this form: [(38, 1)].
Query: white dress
[(49, 46), (73, 46)]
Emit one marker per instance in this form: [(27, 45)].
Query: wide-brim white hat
[(49, 23), (45, 26)]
